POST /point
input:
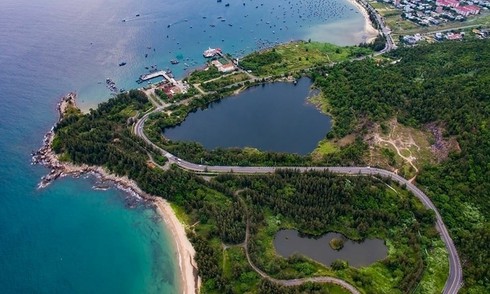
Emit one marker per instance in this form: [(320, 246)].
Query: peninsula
[(405, 149), (227, 217)]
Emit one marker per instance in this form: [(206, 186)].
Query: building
[(467, 10), (447, 3), (223, 67), (227, 67), (454, 36)]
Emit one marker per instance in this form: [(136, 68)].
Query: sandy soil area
[(370, 33), (190, 282)]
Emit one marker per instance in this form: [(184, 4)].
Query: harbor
[(161, 73), (170, 86), (78, 49)]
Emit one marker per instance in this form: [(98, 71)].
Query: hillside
[(445, 85)]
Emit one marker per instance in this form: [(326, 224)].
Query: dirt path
[(409, 159)]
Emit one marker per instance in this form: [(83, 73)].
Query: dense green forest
[(102, 137), (360, 207), (256, 61), (315, 203), (447, 83), (444, 83)]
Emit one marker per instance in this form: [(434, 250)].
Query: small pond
[(273, 117), (358, 254)]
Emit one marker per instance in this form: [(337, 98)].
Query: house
[(227, 67), (467, 10), (454, 36), (447, 3), (223, 67)]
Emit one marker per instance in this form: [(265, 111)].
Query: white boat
[(211, 52)]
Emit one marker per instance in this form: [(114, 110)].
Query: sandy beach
[(341, 32), (369, 33), (45, 156), (189, 281)]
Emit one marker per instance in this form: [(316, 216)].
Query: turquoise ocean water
[(70, 238)]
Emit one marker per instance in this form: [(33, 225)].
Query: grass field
[(393, 19), (435, 274), (297, 56), (224, 81)]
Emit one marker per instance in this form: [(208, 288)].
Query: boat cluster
[(111, 85)]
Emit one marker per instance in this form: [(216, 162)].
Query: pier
[(156, 74)]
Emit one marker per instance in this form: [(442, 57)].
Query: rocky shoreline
[(46, 156), (58, 169)]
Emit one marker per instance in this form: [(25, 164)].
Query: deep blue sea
[(70, 238)]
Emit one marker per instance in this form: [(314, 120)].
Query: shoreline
[(189, 280), (369, 32)]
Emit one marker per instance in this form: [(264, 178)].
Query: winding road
[(291, 282), (455, 278), (390, 43)]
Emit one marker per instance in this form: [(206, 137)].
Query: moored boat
[(211, 52)]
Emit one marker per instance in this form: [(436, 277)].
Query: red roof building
[(447, 3), (467, 10), (453, 37)]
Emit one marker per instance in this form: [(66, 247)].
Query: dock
[(161, 73)]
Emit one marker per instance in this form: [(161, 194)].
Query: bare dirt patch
[(399, 148), (347, 140)]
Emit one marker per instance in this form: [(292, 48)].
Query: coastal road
[(455, 277), (390, 43)]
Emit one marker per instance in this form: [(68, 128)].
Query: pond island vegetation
[(336, 243), (439, 92)]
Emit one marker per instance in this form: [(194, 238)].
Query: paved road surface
[(291, 282), (455, 278)]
